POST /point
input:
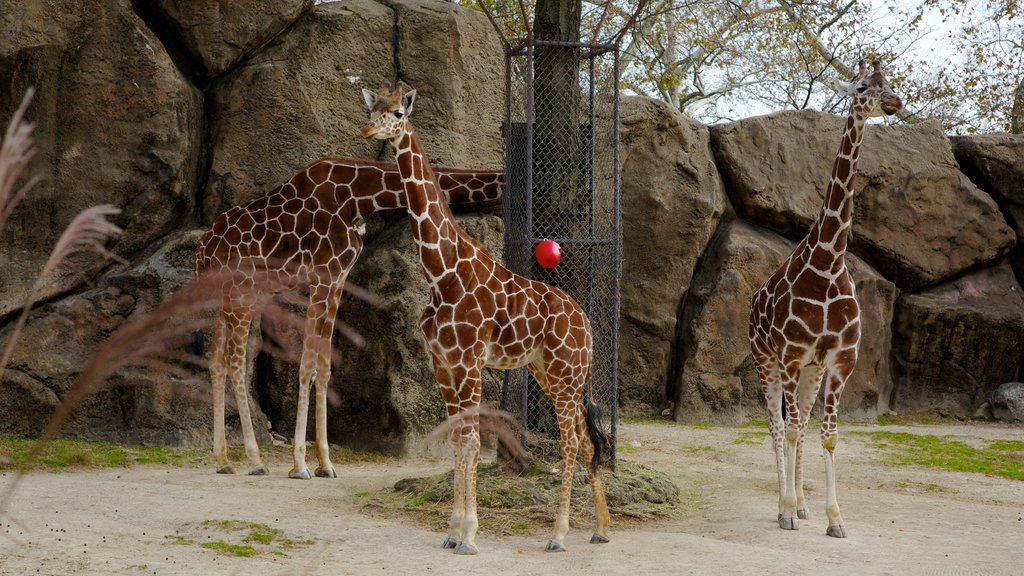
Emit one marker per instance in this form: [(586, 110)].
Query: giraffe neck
[(431, 220), (832, 227)]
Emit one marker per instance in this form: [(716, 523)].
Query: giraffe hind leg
[(218, 376), (807, 394)]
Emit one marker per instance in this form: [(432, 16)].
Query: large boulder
[(995, 163), (385, 393), (299, 99), (453, 57), (214, 36), (954, 344), (718, 380), (1008, 401), (116, 123), (672, 201), (776, 169)]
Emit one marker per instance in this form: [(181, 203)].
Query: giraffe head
[(389, 112), (872, 95)]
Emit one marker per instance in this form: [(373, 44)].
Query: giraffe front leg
[(829, 441), (218, 375), (307, 371), (807, 394), (771, 388), (788, 519), (470, 522), (325, 469)]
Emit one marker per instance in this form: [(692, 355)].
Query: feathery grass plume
[(158, 340), (17, 149), (491, 420)]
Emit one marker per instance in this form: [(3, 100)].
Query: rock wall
[(175, 110)]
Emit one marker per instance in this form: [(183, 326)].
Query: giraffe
[(805, 320), (482, 315), (306, 233)]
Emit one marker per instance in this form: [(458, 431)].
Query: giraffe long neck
[(432, 223), (832, 227)]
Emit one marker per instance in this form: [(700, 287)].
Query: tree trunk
[(1017, 112), (556, 150)]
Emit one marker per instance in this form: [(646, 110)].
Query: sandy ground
[(901, 520)]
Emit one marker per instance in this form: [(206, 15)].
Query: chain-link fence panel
[(562, 183)]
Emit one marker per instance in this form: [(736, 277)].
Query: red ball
[(548, 253)]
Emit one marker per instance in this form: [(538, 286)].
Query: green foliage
[(1001, 458), (236, 538), (63, 454), (243, 550)]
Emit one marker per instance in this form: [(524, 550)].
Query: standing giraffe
[(482, 315), (805, 320), (306, 233)]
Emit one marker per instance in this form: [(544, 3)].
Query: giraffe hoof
[(836, 531), (554, 547), (466, 550), (259, 471), (801, 514), (449, 543), (299, 475), (326, 472), (789, 523), (225, 470), (598, 539)]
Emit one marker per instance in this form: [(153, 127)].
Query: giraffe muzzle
[(368, 130)]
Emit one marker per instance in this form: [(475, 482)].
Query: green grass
[(236, 538), (751, 437), (68, 454), (243, 550), (1000, 458)]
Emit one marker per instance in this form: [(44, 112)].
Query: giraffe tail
[(197, 346), (602, 447)]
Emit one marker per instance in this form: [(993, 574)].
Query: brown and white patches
[(304, 233), (805, 320), (481, 314)]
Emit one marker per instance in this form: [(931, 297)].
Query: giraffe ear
[(407, 101), (370, 98)]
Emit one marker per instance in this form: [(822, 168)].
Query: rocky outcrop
[(908, 177), (121, 120), (954, 344), (672, 201), (1008, 401), (994, 163), (300, 98), (214, 36), (117, 123)]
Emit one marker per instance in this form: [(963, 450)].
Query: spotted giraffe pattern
[(306, 233), (482, 315), (805, 319)]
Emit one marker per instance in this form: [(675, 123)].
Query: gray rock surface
[(1008, 402), (917, 219), (116, 123), (672, 201), (955, 344)]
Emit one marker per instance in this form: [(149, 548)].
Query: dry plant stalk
[(487, 419)]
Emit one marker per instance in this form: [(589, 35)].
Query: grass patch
[(700, 425), (1001, 458), (518, 504), (243, 550), (751, 437), (71, 454), (646, 420), (236, 538)]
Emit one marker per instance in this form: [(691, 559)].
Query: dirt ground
[(902, 520)]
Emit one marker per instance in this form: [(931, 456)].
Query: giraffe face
[(872, 95), (389, 112)]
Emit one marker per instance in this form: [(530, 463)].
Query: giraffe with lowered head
[(805, 319), (306, 233), (482, 315)]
